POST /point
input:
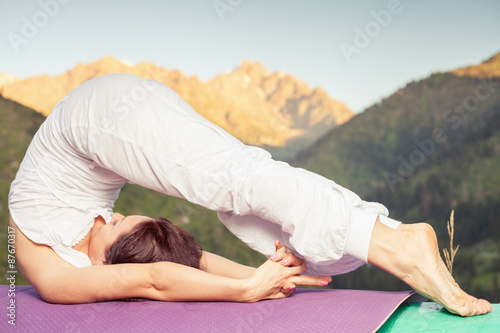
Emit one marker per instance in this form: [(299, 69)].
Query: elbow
[(165, 282), (45, 289), (49, 294), (157, 284), (203, 262), (154, 277), (59, 294)]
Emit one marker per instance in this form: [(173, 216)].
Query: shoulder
[(57, 281), (33, 259)]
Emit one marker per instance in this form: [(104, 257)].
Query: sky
[(357, 51)]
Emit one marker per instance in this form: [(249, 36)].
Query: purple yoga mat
[(307, 310)]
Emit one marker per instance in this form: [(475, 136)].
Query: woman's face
[(105, 235)]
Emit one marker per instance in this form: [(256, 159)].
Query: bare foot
[(411, 254)]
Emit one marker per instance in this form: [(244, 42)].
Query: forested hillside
[(431, 147)]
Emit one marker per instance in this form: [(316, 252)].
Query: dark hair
[(155, 240)]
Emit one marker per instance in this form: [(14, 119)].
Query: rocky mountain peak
[(253, 69), (258, 107)]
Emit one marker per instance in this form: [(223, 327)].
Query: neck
[(84, 244)]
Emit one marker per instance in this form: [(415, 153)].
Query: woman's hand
[(284, 258), (278, 276)]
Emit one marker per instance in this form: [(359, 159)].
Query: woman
[(118, 128)]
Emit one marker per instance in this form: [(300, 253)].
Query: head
[(140, 239)]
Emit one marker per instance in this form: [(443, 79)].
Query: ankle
[(387, 247)]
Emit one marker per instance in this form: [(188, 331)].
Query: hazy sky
[(358, 51)]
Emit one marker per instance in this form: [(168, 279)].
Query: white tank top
[(58, 190)]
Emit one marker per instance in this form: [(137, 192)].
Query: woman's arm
[(166, 281), (226, 280), (163, 281), (59, 282), (270, 280), (215, 264)]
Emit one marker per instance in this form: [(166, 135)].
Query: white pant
[(118, 128)]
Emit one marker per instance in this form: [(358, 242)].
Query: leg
[(411, 253)]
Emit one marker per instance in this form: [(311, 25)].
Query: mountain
[(417, 127), (274, 110), (431, 147)]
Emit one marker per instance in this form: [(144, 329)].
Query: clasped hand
[(279, 276)]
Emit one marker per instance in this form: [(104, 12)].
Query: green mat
[(431, 317)]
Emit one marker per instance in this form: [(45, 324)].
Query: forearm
[(174, 282), (214, 264)]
